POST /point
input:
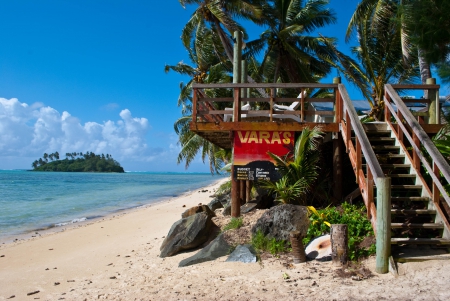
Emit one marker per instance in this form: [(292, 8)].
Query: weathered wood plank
[(261, 126), (264, 85)]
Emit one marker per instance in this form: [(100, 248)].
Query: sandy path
[(117, 259)]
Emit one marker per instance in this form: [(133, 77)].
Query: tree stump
[(339, 244), (298, 251)]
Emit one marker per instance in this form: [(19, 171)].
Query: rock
[(227, 210), (243, 253), (319, 248), (215, 204), (216, 248), (225, 200), (198, 209), (187, 233), (279, 221), (246, 208)]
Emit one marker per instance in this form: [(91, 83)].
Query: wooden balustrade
[(214, 109), (416, 135), (380, 215)]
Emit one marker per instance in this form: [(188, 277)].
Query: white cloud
[(29, 131)]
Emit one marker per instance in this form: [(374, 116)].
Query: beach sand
[(117, 258)]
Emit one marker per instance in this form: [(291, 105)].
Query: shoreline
[(60, 226), (64, 226), (117, 258)]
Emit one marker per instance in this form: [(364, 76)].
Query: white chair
[(229, 117)]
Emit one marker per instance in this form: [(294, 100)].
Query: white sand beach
[(117, 258)]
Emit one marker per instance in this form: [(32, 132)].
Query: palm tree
[(35, 164), (298, 170), (45, 157), (219, 16), (402, 12), (380, 56), (208, 69), (291, 54)]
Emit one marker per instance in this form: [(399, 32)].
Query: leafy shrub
[(235, 223), (224, 188), (357, 223), (263, 243)]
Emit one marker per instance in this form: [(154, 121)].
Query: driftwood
[(298, 251), (339, 244)]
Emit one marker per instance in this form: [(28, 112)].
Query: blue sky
[(88, 75)]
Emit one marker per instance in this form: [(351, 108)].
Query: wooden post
[(237, 56), (339, 244), (244, 79), (298, 251), (336, 105), (433, 109), (337, 167), (383, 229), (248, 191), (235, 191), (242, 189), (235, 199)]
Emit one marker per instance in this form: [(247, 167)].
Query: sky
[(88, 75)]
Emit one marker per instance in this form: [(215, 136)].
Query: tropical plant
[(263, 243), (358, 226), (208, 69), (291, 54), (384, 54), (298, 169), (219, 16)]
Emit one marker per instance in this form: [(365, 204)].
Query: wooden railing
[(406, 126), (206, 109), (379, 215)]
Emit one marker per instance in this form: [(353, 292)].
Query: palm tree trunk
[(425, 70)]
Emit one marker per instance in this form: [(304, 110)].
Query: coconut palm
[(219, 16), (209, 68), (380, 56), (298, 169), (291, 54), (403, 11)]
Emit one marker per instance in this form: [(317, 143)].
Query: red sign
[(251, 161)]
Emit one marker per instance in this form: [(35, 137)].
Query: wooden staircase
[(415, 220)]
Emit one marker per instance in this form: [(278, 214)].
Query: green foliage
[(224, 188), (353, 216), (298, 169), (264, 243), (88, 162), (235, 223)]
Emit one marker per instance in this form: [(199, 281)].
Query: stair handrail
[(439, 162), (379, 216)]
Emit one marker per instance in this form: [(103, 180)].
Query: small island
[(77, 162)]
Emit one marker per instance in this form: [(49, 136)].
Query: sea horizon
[(37, 201)]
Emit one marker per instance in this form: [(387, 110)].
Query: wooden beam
[(261, 126), (383, 233), (266, 85)]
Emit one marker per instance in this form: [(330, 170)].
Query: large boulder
[(198, 209), (187, 233), (215, 203), (279, 221), (243, 253), (216, 248)]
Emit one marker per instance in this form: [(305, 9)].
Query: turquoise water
[(39, 200)]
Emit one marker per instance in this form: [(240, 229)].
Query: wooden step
[(421, 241), (378, 132), (388, 165), (410, 198), (385, 147), (378, 139), (417, 226), (405, 175), (406, 187), (413, 211)]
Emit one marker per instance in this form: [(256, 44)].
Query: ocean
[(32, 201)]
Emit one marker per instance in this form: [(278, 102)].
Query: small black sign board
[(256, 170)]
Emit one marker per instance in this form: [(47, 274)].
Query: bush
[(353, 216), (263, 243), (235, 223)]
